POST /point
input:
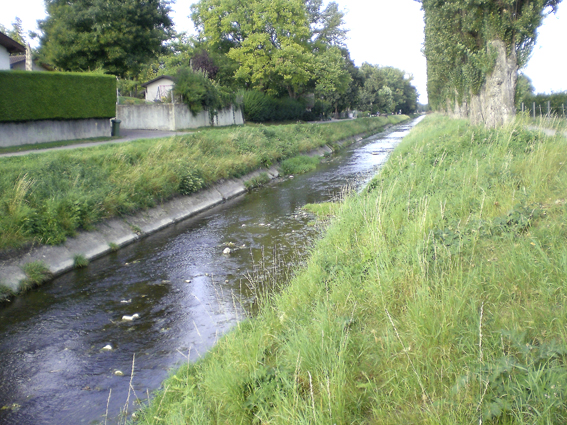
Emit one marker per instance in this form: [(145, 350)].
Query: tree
[(332, 76), (474, 49), (267, 38), (118, 36), (326, 25), (386, 89)]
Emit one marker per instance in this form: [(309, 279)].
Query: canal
[(67, 354)]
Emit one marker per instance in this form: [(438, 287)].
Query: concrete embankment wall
[(172, 117), (32, 132)]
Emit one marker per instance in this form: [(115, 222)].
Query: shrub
[(259, 107)]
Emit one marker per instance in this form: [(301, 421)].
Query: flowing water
[(187, 293)]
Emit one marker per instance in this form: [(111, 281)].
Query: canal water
[(54, 368)]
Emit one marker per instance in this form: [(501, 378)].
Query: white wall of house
[(158, 89), (4, 58)]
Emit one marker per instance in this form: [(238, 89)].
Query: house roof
[(10, 44), (165, 77), (17, 59)]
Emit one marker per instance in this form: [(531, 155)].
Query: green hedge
[(32, 96)]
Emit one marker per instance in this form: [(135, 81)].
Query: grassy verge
[(437, 296), (49, 145), (47, 197)]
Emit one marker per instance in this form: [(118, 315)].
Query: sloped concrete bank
[(115, 233)]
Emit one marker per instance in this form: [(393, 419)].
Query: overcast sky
[(382, 32)]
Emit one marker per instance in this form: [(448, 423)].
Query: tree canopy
[(118, 36)]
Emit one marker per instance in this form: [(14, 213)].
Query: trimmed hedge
[(33, 96)]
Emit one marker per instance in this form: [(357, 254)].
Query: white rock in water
[(227, 251), (118, 373), (107, 347), (130, 318)]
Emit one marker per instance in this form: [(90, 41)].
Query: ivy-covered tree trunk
[(474, 49), (494, 105)]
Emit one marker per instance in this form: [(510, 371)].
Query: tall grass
[(437, 296), (47, 197)]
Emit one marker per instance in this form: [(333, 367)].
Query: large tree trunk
[(494, 105)]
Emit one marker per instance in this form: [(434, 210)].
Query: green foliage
[(36, 273), (30, 96), (190, 183), (260, 107), (5, 293), (118, 36), (386, 90), (79, 261), (258, 181), (557, 102), (528, 381), (199, 92), (300, 164)]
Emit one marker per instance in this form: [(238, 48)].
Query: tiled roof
[(10, 44), (165, 77)]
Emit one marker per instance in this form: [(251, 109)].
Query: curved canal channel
[(54, 366)]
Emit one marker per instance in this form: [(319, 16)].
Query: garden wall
[(32, 132), (172, 116)]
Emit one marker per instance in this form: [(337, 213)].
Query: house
[(18, 63), (7, 47), (159, 89)]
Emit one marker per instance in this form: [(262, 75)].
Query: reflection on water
[(186, 292)]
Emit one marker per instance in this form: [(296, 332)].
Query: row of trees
[(282, 48), (474, 49)]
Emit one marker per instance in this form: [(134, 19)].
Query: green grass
[(36, 273), (80, 261), (300, 164), (49, 145), (437, 296), (47, 197), (258, 181)]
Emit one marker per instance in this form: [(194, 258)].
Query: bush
[(259, 107), (33, 96), (199, 92)]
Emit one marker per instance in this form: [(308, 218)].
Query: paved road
[(125, 136)]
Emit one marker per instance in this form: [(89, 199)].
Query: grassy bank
[(47, 197), (436, 297)]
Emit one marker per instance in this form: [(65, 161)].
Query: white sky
[(382, 32)]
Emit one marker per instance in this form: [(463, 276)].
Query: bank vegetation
[(436, 296), (47, 197)]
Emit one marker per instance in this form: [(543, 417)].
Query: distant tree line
[(526, 97), (283, 49)]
